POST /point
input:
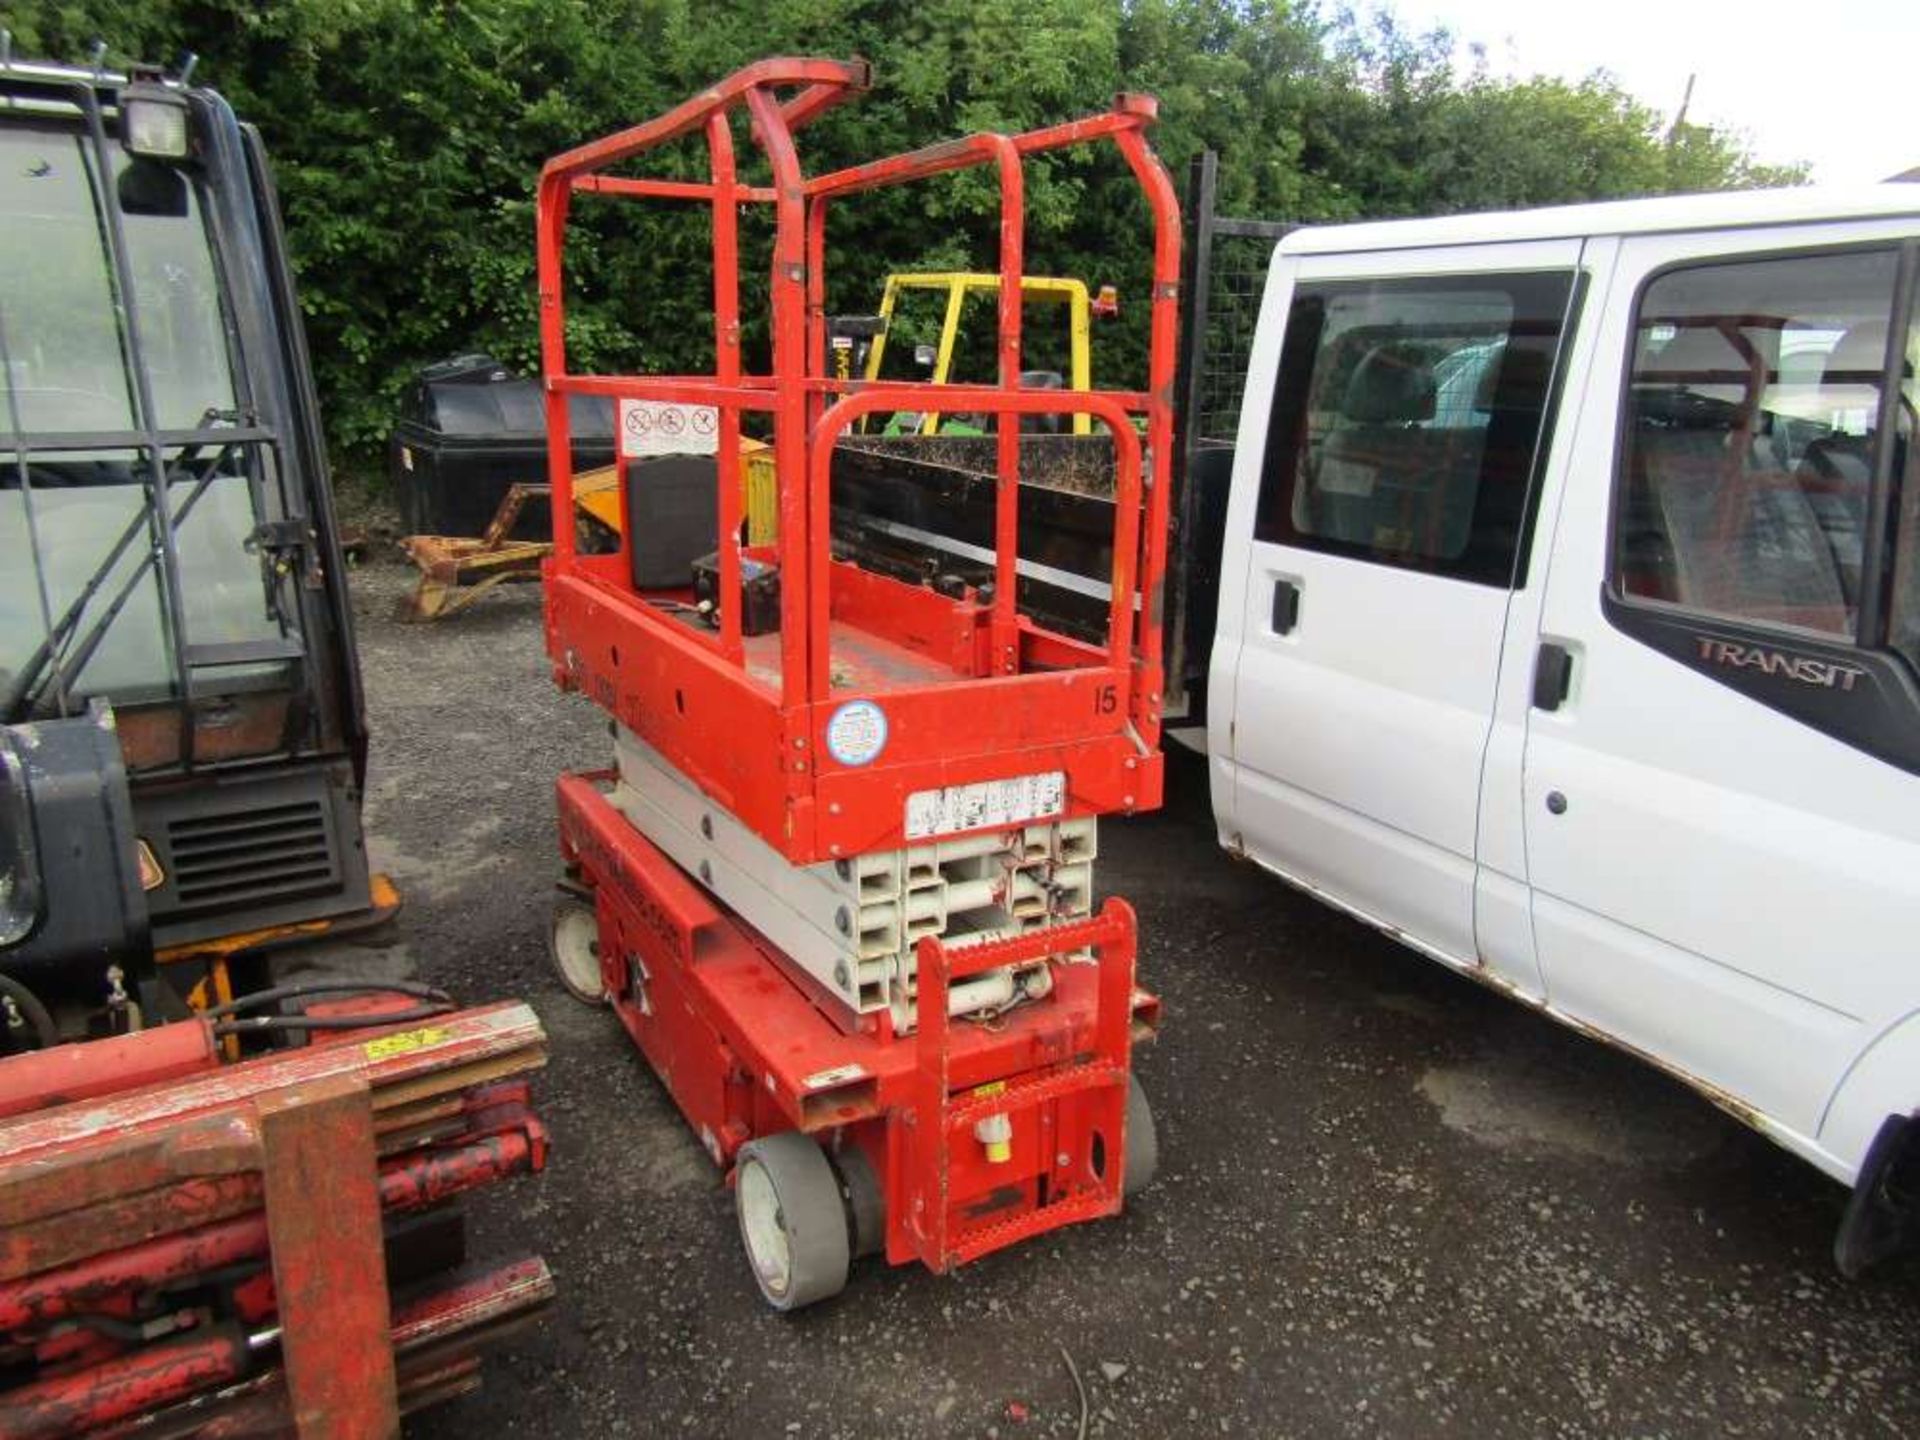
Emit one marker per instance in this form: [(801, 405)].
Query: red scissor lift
[(846, 745)]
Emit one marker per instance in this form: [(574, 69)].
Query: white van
[(1569, 631)]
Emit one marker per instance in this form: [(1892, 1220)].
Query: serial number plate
[(985, 805)]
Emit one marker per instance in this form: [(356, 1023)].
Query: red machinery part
[(434, 1335), (408, 1183), (748, 1049), (132, 1384), (436, 1338), (131, 1220), (41, 1078)]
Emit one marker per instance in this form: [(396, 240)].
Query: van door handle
[(1552, 675), (1286, 606)]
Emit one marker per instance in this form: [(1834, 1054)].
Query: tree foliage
[(407, 135)]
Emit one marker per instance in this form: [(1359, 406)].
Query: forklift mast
[(952, 290), (168, 548)]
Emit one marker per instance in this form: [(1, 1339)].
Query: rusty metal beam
[(329, 1263)]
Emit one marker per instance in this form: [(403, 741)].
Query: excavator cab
[(172, 595)]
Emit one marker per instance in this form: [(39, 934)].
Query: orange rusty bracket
[(456, 570), (329, 1264), (218, 951)]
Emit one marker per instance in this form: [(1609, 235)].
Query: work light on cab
[(153, 121)]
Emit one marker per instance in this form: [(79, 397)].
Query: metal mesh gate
[(1226, 273)]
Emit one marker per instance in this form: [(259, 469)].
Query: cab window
[(1407, 420), (1752, 415)]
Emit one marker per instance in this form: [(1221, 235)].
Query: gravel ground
[(1390, 1202)]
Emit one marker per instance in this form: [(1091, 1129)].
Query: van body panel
[(1503, 906), (1723, 212), (1878, 1083), (1727, 887), (1359, 732)]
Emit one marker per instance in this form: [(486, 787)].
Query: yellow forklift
[(936, 360)]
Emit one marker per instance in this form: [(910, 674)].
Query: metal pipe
[(1006, 521), (160, 513), (983, 992), (726, 367), (65, 1073), (1163, 362), (817, 304), (665, 189), (129, 1385), (1101, 405), (752, 393), (971, 894), (799, 605), (551, 202), (406, 1184), (847, 78)]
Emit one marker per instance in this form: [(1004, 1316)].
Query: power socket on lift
[(759, 593)]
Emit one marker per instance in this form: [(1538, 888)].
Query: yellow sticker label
[(402, 1041), (992, 1088)]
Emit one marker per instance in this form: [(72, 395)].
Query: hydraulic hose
[(38, 1016)]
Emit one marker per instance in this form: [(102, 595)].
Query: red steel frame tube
[(1006, 519), (556, 192), (789, 359), (663, 189), (817, 305), (969, 151), (828, 83), (407, 1183), (1100, 405), (142, 1380), (40, 1078), (1163, 348), (726, 366)]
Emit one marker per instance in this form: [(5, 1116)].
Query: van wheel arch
[(1883, 1213)]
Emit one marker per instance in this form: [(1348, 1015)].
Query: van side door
[(1383, 488), (1722, 774)]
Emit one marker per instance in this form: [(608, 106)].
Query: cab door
[(1386, 476), (1722, 773)]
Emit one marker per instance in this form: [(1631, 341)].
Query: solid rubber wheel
[(573, 944), (792, 1221), (1143, 1141), (866, 1206)]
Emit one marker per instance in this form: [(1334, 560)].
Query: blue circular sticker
[(857, 733)]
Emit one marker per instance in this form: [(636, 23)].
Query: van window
[(1407, 418), (1751, 419)]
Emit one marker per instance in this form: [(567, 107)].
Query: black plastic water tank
[(469, 428)]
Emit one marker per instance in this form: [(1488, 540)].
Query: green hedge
[(407, 135)]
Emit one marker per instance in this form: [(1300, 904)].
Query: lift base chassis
[(750, 1047)]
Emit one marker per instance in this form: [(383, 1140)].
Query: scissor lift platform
[(938, 738)]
